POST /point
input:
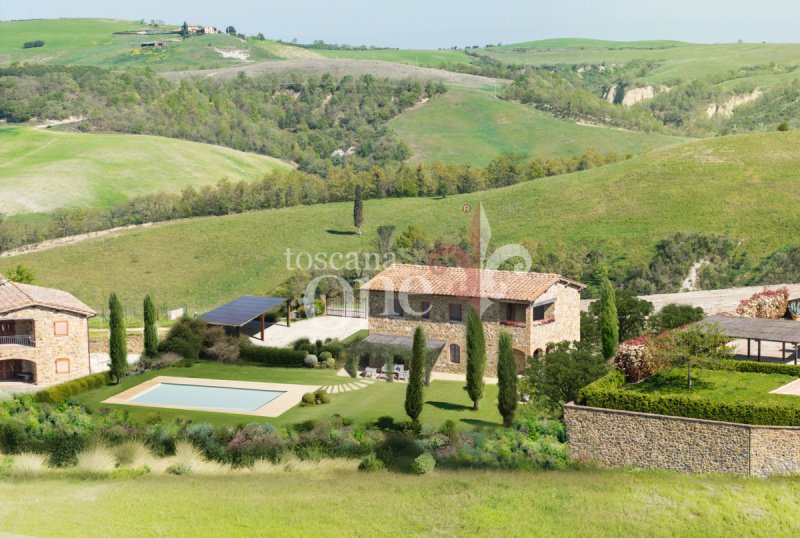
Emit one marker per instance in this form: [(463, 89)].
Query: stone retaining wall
[(626, 438)]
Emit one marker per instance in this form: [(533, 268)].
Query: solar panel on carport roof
[(242, 310)]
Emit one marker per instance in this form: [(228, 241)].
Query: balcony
[(18, 340)]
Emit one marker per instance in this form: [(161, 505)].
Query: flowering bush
[(638, 358), (767, 304)]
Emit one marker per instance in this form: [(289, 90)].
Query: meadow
[(46, 169), (473, 127), (464, 503), (720, 185), (421, 58)]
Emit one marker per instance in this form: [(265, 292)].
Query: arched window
[(455, 354)]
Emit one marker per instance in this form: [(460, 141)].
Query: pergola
[(396, 345), (241, 311), (767, 330)]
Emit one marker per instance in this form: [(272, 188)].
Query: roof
[(242, 310), (771, 330), (465, 282), (14, 296), (388, 340)]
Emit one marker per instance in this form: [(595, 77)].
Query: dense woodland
[(303, 119)]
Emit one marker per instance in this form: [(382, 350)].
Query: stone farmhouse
[(537, 309), (44, 335)]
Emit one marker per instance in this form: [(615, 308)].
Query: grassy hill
[(44, 169), (744, 187), (678, 61), (471, 126), (584, 43), (93, 42), (422, 58)]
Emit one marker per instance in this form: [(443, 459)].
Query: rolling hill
[(742, 186), (675, 60), (44, 169), (470, 126)]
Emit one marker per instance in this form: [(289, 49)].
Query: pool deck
[(292, 395)]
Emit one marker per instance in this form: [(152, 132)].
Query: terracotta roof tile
[(14, 296), (465, 282)]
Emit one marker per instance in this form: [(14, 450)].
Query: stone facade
[(60, 350), (625, 438), (561, 303)]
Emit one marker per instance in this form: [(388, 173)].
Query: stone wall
[(625, 438), (526, 339), (49, 348)]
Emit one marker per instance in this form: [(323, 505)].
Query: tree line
[(281, 189)]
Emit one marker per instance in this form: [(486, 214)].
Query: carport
[(782, 331), (243, 310)]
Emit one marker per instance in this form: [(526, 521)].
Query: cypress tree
[(609, 322), (476, 357), (117, 344), (506, 380), (416, 380), (358, 210), (150, 330)]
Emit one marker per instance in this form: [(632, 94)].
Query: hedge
[(58, 393), (274, 356), (755, 367), (605, 393)]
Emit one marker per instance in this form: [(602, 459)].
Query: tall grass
[(97, 460), (28, 465)]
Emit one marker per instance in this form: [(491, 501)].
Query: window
[(62, 366), (425, 306), (455, 354), (544, 311), (455, 312), (515, 312), (61, 328)]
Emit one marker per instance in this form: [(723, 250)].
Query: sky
[(436, 24)]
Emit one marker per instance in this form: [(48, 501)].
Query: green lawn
[(464, 503), (443, 399), (682, 61), (719, 386), (744, 187), (44, 169), (473, 127)]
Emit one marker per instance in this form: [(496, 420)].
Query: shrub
[(309, 398), (310, 361), (673, 316), (636, 358), (166, 360), (185, 338), (322, 396), (325, 355), (557, 376), (767, 304), (352, 365), (448, 428), (330, 363), (273, 356), (33, 44), (370, 463), (424, 464), (58, 393)]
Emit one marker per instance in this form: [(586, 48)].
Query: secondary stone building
[(44, 335), (537, 309)]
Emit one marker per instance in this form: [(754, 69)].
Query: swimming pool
[(205, 397), (216, 395)]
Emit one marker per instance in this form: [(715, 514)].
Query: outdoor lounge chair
[(370, 372), (402, 375)]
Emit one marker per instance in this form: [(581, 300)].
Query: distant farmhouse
[(44, 335), (197, 30), (538, 309)]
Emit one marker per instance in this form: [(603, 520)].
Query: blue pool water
[(233, 399)]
